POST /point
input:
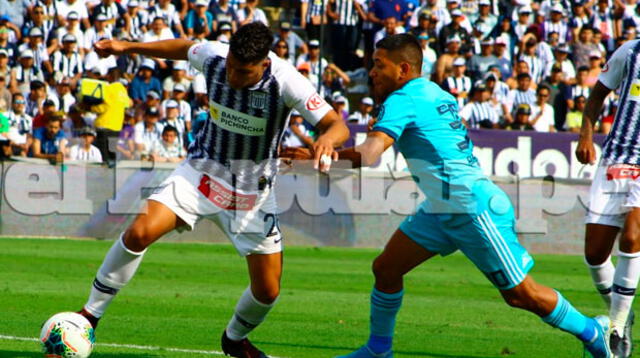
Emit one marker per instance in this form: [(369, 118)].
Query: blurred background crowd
[(511, 64)]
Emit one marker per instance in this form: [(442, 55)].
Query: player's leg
[(400, 255), (625, 282), (124, 257), (599, 240), (257, 300)]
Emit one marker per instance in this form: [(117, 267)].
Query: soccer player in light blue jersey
[(464, 210)]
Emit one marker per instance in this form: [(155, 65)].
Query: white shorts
[(614, 191), (248, 218)]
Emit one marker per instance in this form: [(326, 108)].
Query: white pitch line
[(130, 346)]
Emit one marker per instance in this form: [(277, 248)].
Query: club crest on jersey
[(314, 102), (258, 100)]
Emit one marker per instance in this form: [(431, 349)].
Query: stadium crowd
[(516, 65)]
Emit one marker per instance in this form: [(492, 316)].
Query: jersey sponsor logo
[(314, 102), (623, 171), (634, 91), (237, 122), (258, 100), (224, 198)]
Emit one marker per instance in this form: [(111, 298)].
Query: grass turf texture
[(184, 294)]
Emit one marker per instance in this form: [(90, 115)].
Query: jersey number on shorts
[(274, 227)]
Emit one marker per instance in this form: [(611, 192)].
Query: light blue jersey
[(464, 210)]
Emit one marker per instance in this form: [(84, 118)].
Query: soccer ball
[(67, 335)]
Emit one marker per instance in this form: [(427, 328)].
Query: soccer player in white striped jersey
[(229, 171), (614, 200)]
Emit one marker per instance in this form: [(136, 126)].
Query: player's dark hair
[(403, 48), (251, 43), (169, 128)]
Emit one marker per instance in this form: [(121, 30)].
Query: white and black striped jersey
[(347, 14), (576, 90), (517, 97), (479, 114), (315, 8), (622, 145), (239, 142), (560, 27), (536, 67), (455, 85), (68, 65)]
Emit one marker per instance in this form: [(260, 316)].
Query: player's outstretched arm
[(367, 153), (585, 152), (176, 49), (333, 133)]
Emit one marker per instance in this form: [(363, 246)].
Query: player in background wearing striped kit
[(614, 199), (229, 171)]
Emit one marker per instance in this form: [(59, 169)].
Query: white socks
[(602, 276), (249, 313), (625, 283), (116, 271)]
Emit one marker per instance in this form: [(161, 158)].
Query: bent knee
[(137, 238), (266, 295), (630, 241), (521, 297), (595, 257)]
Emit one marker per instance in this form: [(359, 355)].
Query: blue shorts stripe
[(498, 251), (501, 242)]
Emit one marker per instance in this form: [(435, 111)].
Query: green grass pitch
[(184, 294)]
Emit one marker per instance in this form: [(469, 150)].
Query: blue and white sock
[(568, 319), (384, 308)]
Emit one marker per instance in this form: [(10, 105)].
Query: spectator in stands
[(72, 27), (7, 49), (73, 125), (561, 57), (147, 132), (344, 32), (429, 56), (458, 84), (363, 115), (455, 29), (68, 60), (383, 9), (583, 47), (527, 53), (574, 118), (63, 94), (49, 141), (97, 32), (115, 15), (224, 35), (522, 119), (178, 75), (557, 88), (297, 134), (484, 14), (158, 30), (557, 24), (85, 151), (503, 57), (5, 95), (144, 82), (20, 126), (45, 28), (580, 88), (521, 26), (579, 18), (498, 94), (199, 21), (169, 147), (479, 113), (444, 65), (137, 20), (14, 10), (602, 19), (312, 17), (36, 45), (252, 13), (172, 118), (595, 67), (340, 105), (36, 100), (479, 64), (522, 93), (542, 114), (223, 12), (390, 27), (294, 42), (152, 100), (426, 24), (281, 49), (316, 63), (126, 147)]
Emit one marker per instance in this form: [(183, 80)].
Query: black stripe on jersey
[(219, 90), (630, 152), (244, 108), (617, 149), (271, 129)]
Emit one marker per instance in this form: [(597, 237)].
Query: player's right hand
[(105, 48), (296, 153), (586, 151)]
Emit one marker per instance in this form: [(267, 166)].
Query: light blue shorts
[(487, 238)]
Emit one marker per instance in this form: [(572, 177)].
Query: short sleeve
[(395, 114), (465, 112), (299, 93), (200, 52), (613, 71)]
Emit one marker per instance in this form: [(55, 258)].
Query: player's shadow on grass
[(14, 354), (349, 349)]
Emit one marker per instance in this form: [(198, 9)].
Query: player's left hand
[(323, 154)]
